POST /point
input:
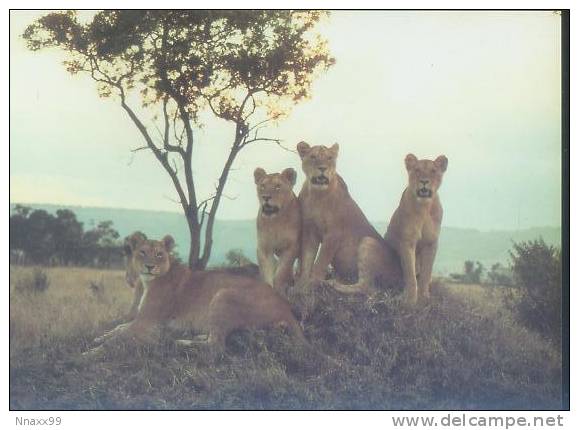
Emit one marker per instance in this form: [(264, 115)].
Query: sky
[(482, 88)]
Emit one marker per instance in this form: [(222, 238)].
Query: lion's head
[(318, 163), (425, 176), (274, 190), (147, 259)]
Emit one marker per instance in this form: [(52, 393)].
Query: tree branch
[(162, 157)]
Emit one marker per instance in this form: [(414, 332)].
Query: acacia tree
[(246, 67)]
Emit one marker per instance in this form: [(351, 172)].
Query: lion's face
[(425, 176), (318, 163), (274, 190), (148, 259)]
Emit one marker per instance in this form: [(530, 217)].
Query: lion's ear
[(335, 148), (441, 162), (169, 242), (132, 241), (410, 161), (258, 174), (303, 149), (290, 175)]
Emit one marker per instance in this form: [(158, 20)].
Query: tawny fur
[(278, 227), (415, 226), (134, 281), (331, 219), (211, 302), (131, 275)]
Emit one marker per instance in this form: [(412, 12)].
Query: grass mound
[(462, 350)]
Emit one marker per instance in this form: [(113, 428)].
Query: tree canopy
[(246, 67)]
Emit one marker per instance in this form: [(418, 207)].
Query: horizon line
[(253, 219)]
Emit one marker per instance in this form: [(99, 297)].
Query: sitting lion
[(415, 226), (278, 226), (331, 219), (212, 302)]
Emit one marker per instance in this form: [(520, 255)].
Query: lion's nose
[(266, 198), (322, 169), (424, 182), (149, 268)]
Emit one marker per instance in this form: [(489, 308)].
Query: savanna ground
[(462, 351)]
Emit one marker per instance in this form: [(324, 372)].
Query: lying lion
[(278, 226), (333, 222), (415, 226), (132, 275), (211, 302)]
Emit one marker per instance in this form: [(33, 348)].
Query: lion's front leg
[(309, 249), (427, 255), (267, 265), (110, 334), (328, 251), (285, 269), (408, 261), (138, 330), (138, 294)]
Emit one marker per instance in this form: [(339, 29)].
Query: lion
[(331, 220), (414, 228), (212, 302), (133, 279), (278, 226), (131, 275)]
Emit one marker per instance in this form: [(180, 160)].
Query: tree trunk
[(194, 239)]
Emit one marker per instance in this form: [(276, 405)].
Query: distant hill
[(456, 244)]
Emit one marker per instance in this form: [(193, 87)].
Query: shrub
[(37, 282), (471, 274), (236, 258), (500, 275), (537, 270)]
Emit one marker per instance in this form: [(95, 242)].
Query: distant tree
[(18, 228), (101, 245), (236, 258), (68, 232), (44, 238), (247, 67), (472, 273), (39, 238)]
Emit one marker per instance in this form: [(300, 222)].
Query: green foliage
[(193, 56), (472, 273), (236, 258), (247, 67), (44, 238), (500, 275), (538, 276)]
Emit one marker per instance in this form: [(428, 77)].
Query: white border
[(257, 420)]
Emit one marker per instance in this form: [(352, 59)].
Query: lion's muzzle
[(268, 210), (424, 193), (320, 180)]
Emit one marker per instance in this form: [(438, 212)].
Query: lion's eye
[(277, 188), (159, 254), (143, 253)]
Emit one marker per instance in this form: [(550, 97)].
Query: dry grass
[(464, 350)]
